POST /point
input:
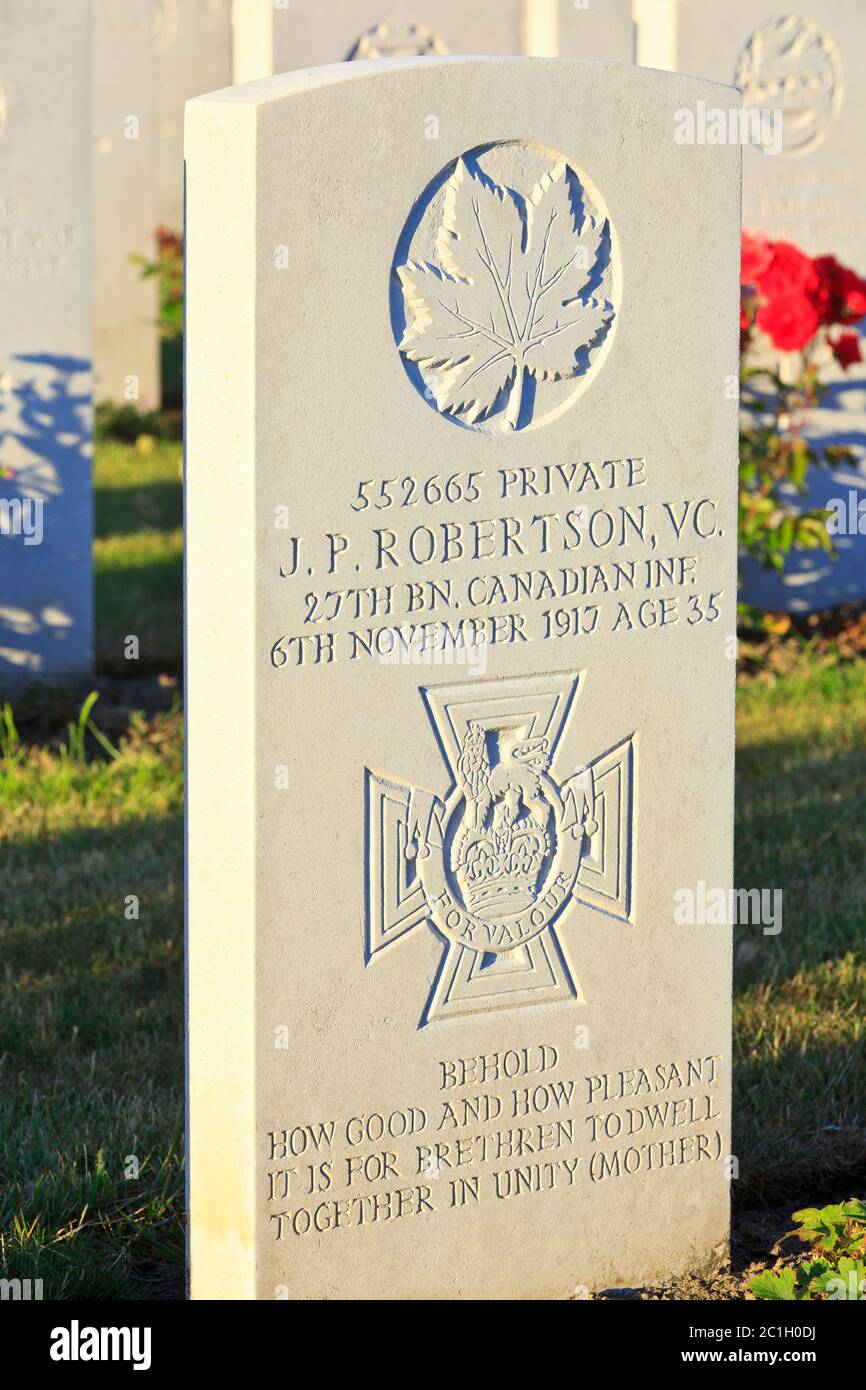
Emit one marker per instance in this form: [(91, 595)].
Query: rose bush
[(797, 314)]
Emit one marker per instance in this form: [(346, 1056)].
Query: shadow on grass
[(129, 510), (91, 1033), (799, 1123), (141, 600), (800, 997), (801, 828)]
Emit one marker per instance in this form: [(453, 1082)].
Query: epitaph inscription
[(514, 1125), (506, 287)]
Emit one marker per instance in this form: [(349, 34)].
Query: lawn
[(91, 1101), (800, 997), (138, 556)]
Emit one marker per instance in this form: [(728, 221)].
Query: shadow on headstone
[(46, 518), (812, 580)]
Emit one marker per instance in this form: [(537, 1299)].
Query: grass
[(91, 1104), (91, 995), (800, 997), (91, 1040), (138, 556)]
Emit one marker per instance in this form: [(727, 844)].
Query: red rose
[(790, 321), (756, 255), (844, 290), (789, 272), (846, 349), (852, 291)]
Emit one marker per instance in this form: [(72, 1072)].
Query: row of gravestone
[(461, 522), (98, 88), (151, 56)]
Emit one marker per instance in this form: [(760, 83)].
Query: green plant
[(126, 424), (13, 752), (836, 1265), (791, 306), (167, 266)]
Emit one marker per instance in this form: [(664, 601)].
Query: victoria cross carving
[(504, 288), (519, 838)]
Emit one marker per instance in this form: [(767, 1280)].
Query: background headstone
[(433, 874), (192, 48), (314, 32), (46, 499), (598, 29), (808, 64), (656, 22), (304, 33), (252, 40), (125, 338)]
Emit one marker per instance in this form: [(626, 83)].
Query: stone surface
[(192, 53), (602, 29), (814, 194), (271, 38), (125, 334), (46, 500), (252, 40), (656, 23), (474, 629), (327, 31)]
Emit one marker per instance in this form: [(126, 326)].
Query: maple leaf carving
[(510, 295)]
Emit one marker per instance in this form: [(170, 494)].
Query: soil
[(754, 1237)]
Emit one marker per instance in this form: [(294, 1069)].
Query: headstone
[(46, 497), (461, 501), (599, 29), (192, 47), (280, 37), (656, 24), (252, 40), (805, 65), (313, 32), (125, 336)]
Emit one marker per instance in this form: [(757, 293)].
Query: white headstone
[(807, 66), (656, 23), (313, 32), (461, 473), (125, 335), (46, 497), (599, 29), (192, 46), (280, 37)]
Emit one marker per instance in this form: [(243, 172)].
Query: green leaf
[(779, 1287)]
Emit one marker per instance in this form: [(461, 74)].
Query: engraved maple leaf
[(510, 295)]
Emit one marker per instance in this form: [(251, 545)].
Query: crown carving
[(498, 869)]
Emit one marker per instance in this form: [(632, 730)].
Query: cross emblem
[(496, 862)]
